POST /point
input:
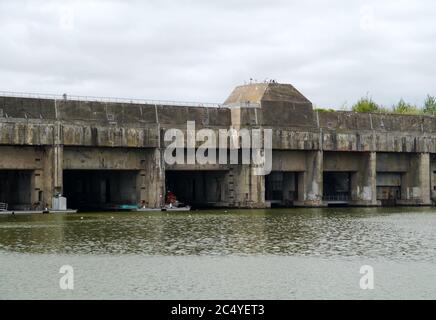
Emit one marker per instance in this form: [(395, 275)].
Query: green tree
[(430, 105), (404, 107), (365, 104), (323, 109)]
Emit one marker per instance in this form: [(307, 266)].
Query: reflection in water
[(392, 233), (219, 254)]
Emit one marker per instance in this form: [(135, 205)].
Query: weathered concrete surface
[(151, 180), (362, 168), (109, 136), (47, 136), (364, 181), (83, 158), (40, 162), (415, 184), (289, 161), (247, 189), (310, 183), (351, 131), (22, 132), (433, 177), (260, 92)]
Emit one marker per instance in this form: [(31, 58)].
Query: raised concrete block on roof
[(259, 92), (280, 105)]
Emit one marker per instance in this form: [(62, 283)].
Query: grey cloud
[(199, 50)]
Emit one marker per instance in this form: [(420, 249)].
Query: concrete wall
[(40, 162), (149, 183), (82, 158), (48, 136), (433, 178)]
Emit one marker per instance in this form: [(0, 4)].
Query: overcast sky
[(332, 51)]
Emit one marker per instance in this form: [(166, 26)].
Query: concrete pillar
[(364, 181), (151, 180), (310, 182), (58, 158), (49, 180), (141, 187), (52, 169), (48, 185), (415, 183), (246, 190), (433, 177), (424, 178), (37, 189)]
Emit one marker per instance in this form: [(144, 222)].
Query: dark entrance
[(337, 187), (15, 189), (198, 188), (281, 188), (100, 189)]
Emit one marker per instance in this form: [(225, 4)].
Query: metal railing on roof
[(107, 99), (246, 104)]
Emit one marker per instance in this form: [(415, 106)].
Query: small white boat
[(173, 208), (16, 212), (146, 209), (61, 211)]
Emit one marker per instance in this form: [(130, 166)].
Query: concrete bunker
[(385, 156), (99, 190), (15, 189), (200, 189)]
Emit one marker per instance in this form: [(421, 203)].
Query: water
[(219, 254)]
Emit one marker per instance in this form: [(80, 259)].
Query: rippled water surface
[(253, 254)]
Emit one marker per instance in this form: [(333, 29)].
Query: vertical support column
[(364, 181), (248, 188), (141, 188), (48, 174), (52, 168), (37, 189), (257, 189), (424, 178), (310, 182), (415, 184), (58, 156), (58, 159), (150, 180), (230, 179), (433, 177)]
